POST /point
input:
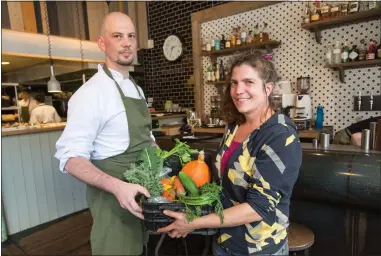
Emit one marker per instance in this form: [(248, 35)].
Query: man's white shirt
[(97, 125)]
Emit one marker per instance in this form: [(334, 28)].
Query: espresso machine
[(302, 114)]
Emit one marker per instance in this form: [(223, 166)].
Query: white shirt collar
[(115, 74)]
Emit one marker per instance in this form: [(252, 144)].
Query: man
[(352, 134), (109, 123), (43, 113), (27, 104)]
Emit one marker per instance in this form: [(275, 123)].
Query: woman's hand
[(179, 228)]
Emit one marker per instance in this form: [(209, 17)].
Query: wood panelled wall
[(34, 190), (63, 17)]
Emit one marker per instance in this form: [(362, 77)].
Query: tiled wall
[(164, 79)]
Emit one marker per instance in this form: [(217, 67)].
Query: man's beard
[(124, 62)]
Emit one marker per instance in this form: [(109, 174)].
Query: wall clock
[(172, 48)]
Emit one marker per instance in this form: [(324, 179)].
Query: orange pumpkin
[(198, 170)]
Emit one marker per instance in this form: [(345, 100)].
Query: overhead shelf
[(10, 108), (318, 26), (269, 46), (353, 65), (217, 82)]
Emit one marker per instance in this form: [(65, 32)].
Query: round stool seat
[(299, 237)]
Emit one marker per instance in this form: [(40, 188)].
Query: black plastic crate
[(154, 218)]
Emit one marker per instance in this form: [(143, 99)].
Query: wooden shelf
[(217, 82), (228, 51), (352, 65), (358, 17)]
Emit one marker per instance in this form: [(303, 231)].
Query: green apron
[(115, 230)]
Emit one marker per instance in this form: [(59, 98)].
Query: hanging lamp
[(53, 84), (80, 43)]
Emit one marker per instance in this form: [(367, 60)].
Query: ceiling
[(19, 62)]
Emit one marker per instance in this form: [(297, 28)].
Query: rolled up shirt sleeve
[(84, 122), (275, 169)]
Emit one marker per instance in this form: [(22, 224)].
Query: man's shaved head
[(112, 18), (118, 40)]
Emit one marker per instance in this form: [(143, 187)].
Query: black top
[(262, 172)]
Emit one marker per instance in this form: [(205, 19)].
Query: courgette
[(188, 184)]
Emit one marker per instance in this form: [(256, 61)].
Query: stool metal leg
[(157, 248)]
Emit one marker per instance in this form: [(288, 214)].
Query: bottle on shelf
[(234, 37), (329, 56), (223, 42), (345, 53), (217, 72), (379, 50), (374, 4), (213, 44), (353, 7), (238, 36), (362, 50), (337, 53), (363, 6), (371, 55), (217, 44), (307, 14), (227, 42), (354, 54), (257, 36), (344, 9), (208, 45), (335, 10), (319, 117), (250, 37), (222, 71), (243, 34), (260, 34), (265, 33), (325, 11), (315, 12), (209, 74), (213, 75)]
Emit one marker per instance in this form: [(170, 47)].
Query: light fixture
[(53, 84), (5, 63), (80, 43)]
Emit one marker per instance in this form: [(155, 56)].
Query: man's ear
[(101, 43)]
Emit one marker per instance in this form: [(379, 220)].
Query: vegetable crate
[(154, 218)]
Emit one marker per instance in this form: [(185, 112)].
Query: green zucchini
[(188, 184)]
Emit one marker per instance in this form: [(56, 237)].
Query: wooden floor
[(69, 236)]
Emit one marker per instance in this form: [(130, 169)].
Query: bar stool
[(300, 238)]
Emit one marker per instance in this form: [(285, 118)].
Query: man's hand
[(126, 192)]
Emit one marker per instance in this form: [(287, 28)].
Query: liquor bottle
[(265, 33), (354, 54), (222, 71), (238, 36), (249, 39), (228, 42), (223, 42), (337, 53), (315, 12), (325, 11), (217, 72), (335, 10), (307, 14), (256, 34), (353, 7), (243, 34), (344, 9), (329, 56), (379, 50), (371, 55), (362, 50), (234, 37), (345, 53)]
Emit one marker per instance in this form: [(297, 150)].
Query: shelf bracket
[(341, 75), (318, 36)]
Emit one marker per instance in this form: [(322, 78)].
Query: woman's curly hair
[(267, 73)]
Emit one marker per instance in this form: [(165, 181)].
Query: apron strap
[(108, 73)]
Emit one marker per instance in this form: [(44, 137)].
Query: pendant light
[(53, 84), (80, 42)]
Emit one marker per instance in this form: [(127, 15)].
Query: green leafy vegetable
[(181, 149), (210, 195)]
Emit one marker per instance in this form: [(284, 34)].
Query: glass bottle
[(213, 44), (217, 44), (325, 11), (337, 53), (217, 72), (354, 54), (328, 56), (335, 10), (250, 37), (228, 42), (265, 33), (344, 8), (233, 37), (379, 50), (222, 71), (353, 7), (223, 42), (238, 36), (362, 50), (307, 14), (209, 74), (243, 34), (260, 34), (345, 53), (363, 6), (315, 12), (256, 34), (371, 55), (208, 45)]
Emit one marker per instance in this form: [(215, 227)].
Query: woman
[(257, 165)]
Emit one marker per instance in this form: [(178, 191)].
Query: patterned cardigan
[(262, 172)]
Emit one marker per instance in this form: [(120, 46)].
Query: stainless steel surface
[(324, 140), (373, 133), (365, 139)]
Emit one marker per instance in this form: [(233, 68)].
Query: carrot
[(170, 194)]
